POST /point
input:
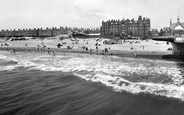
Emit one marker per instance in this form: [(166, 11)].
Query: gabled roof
[(177, 26)]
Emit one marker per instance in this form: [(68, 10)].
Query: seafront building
[(175, 29), (122, 28), (46, 32)]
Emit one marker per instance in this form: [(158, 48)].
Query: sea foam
[(119, 84), (121, 74)]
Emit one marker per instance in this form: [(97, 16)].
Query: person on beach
[(86, 48), (54, 54), (106, 50), (135, 55), (12, 51), (38, 47)]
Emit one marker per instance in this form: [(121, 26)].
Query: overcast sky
[(21, 14)]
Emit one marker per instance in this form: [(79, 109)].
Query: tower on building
[(178, 19), (170, 22)]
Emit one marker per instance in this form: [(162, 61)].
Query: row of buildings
[(47, 32), (110, 28), (136, 28)]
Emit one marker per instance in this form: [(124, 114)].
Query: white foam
[(119, 84), (119, 68), (2, 57), (109, 71)]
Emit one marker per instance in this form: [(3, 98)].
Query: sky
[(19, 14)]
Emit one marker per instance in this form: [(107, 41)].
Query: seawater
[(84, 84)]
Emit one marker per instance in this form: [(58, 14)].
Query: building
[(47, 32), (177, 29), (154, 32), (136, 28), (175, 37), (114, 28)]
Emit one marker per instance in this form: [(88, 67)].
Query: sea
[(40, 83)]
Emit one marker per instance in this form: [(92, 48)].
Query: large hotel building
[(136, 28)]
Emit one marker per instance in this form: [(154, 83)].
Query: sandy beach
[(95, 46)]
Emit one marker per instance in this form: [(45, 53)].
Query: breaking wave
[(157, 77)]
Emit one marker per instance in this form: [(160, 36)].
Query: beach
[(130, 48)]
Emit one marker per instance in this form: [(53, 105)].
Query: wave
[(156, 77), (120, 84), (6, 63)]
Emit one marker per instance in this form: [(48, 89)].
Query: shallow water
[(40, 83)]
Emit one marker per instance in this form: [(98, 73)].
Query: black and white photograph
[(91, 57)]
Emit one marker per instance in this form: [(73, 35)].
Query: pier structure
[(176, 37)]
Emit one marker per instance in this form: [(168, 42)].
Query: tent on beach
[(111, 41)]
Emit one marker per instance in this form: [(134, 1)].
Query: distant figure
[(86, 49), (38, 46), (6, 44), (135, 55), (106, 50), (12, 51), (167, 43), (54, 54), (59, 45)]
